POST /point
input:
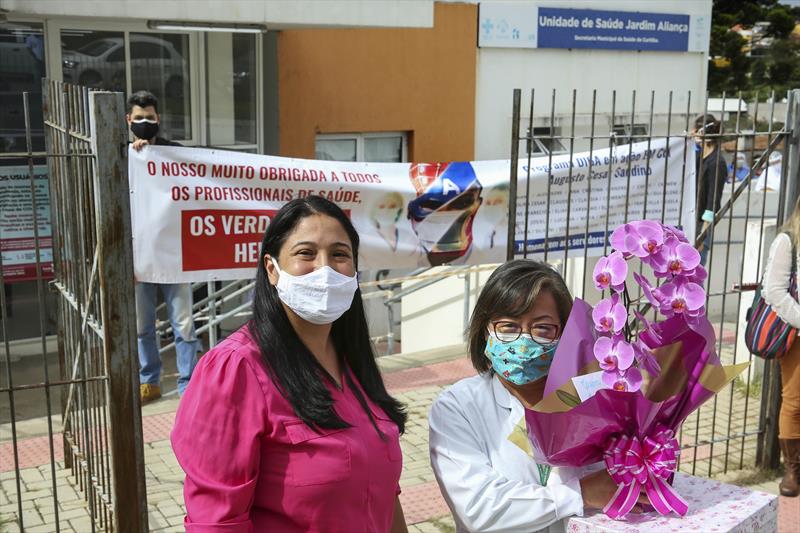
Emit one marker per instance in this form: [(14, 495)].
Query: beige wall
[(421, 81)]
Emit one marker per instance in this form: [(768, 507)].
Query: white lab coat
[(490, 484), (777, 273)]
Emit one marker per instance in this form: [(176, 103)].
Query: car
[(156, 65)]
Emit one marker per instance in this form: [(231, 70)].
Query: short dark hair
[(511, 291), (290, 364), (142, 99), (710, 125)]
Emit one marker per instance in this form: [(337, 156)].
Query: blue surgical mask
[(521, 361)]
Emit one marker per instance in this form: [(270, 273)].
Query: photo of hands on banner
[(407, 215)]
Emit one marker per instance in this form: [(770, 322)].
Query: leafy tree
[(781, 23), (776, 68)]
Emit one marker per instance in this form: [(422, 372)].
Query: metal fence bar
[(718, 434), (119, 342), (101, 425), (40, 292), (512, 187)]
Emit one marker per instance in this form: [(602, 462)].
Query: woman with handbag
[(780, 292)]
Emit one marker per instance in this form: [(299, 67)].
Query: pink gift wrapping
[(633, 432)]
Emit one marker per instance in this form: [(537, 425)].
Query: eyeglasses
[(542, 334)]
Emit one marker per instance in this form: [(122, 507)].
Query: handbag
[(767, 335)]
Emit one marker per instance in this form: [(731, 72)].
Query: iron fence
[(100, 424), (738, 427)]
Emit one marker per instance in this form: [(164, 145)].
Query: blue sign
[(614, 30)]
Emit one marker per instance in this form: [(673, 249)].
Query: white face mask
[(493, 214), (387, 217), (434, 226), (319, 297)]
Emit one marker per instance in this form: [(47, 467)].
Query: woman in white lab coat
[(491, 484)]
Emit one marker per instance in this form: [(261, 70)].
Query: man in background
[(712, 174), (144, 121)]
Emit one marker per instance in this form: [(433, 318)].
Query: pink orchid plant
[(672, 258)]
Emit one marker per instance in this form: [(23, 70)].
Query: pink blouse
[(252, 465)]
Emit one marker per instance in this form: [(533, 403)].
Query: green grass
[(740, 386)]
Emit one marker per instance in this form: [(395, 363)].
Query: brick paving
[(414, 382)]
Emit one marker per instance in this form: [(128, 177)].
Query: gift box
[(713, 507)]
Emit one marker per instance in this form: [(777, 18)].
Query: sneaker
[(148, 392)]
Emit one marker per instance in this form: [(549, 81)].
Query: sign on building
[(527, 25), (17, 230)]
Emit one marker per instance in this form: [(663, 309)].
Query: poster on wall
[(17, 230), (200, 214)]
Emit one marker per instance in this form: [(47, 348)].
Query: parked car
[(156, 65)]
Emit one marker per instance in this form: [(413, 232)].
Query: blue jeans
[(178, 298)]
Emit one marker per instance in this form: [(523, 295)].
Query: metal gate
[(738, 428), (101, 430)]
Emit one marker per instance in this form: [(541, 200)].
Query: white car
[(156, 65)]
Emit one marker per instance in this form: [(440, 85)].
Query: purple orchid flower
[(682, 297), (629, 380), (653, 329), (675, 258), (645, 358), (611, 271), (652, 294), (699, 275), (613, 354), (642, 239), (674, 232), (610, 315)]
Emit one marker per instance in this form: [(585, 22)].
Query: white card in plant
[(588, 384)]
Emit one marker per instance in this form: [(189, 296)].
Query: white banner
[(637, 172), (200, 214)]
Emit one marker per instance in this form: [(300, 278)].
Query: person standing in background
[(712, 174), (778, 294), (143, 120)]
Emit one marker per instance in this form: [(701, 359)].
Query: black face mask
[(144, 128)]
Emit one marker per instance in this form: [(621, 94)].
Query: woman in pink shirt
[(286, 425)]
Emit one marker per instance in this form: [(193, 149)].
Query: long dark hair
[(290, 364), (511, 290)]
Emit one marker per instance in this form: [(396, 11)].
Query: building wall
[(421, 81), (500, 70)]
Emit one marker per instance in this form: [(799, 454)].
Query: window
[(369, 147), (22, 68), (627, 134), (231, 91), (545, 140), (86, 59), (159, 63)]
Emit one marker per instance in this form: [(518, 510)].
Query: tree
[(734, 75), (781, 23), (776, 68)]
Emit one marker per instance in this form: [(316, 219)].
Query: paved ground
[(415, 380)]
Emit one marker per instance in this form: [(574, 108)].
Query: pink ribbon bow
[(635, 464)]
